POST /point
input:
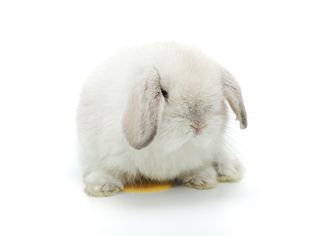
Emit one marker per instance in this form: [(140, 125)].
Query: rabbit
[(159, 112)]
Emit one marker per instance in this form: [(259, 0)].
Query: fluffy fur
[(129, 129)]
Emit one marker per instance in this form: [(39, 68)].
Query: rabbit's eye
[(164, 93)]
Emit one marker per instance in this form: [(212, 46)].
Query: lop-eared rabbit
[(158, 112)]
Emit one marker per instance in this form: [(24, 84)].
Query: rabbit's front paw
[(202, 179), (229, 170), (199, 182), (99, 185), (105, 190)]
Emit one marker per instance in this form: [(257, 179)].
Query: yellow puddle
[(147, 187)]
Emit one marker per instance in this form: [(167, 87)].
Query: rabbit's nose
[(197, 126)]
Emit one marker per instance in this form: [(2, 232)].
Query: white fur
[(194, 83)]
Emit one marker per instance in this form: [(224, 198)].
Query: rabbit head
[(173, 106)]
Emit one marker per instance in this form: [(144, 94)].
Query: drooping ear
[(232, 93), (141, 118)]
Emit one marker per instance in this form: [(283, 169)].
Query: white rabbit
[(158, 111)]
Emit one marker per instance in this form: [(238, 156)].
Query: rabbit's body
[(129, 130)]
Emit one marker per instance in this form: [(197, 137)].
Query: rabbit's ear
[(140, 121), (232, 93)]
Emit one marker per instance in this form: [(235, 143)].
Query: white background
[(49, 47)]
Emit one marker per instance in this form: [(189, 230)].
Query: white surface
[(49, 47)]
